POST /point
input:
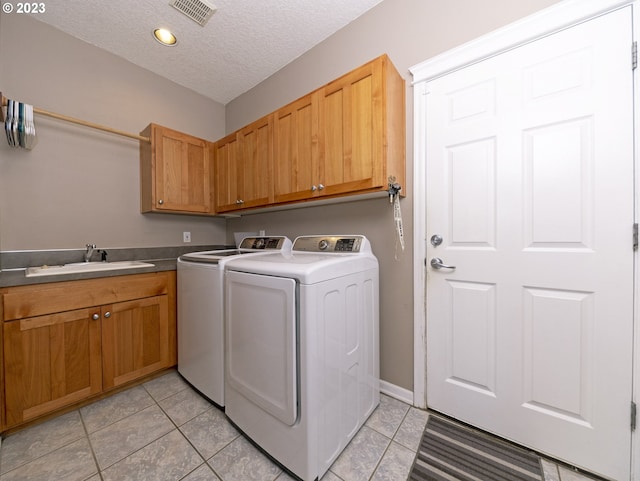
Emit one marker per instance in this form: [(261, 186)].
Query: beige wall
[(79, 185), (409, 31)]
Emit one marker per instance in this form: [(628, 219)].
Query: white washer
[(201, 314), (302, 344)]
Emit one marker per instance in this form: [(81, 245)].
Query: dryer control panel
[(351, 244), (263, 243)]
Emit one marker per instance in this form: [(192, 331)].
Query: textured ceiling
[(244, 42)]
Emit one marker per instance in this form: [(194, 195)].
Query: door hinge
[(633, 416), (634, 55), (635, 236)]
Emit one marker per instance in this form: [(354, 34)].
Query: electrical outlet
[(186, 237)]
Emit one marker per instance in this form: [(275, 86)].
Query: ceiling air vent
[(200, 11)]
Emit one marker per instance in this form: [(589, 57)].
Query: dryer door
[(261, 342)]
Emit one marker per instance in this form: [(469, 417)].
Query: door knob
[(436, 263)]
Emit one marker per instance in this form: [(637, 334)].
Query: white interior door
[(530, 185)]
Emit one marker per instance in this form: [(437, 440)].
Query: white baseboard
[(396, 392)]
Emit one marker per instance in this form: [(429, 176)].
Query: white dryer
[(302, 349), (201, 314)]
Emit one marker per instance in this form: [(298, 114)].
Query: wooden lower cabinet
[(134, 340), (60, 358), (50, 362)]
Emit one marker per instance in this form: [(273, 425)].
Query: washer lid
[(210, 257), (249, 245)]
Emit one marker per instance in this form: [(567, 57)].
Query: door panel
[(134, 339), (50, 362), (296, 152), (261, 334), (530, 183)]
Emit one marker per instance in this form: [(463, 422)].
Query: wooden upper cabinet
[(295, 150), (362, 130), (226, 172), (176, 174), (345, 138), (243, 162), (255, 166)]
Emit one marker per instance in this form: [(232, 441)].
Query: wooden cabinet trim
[(35, 300)]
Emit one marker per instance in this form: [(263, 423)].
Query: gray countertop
[(14, 263), (17, 277)]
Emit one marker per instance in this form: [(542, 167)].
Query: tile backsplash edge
[(23, 259)]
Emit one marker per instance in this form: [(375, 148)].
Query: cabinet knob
[(95, 317), (320, 187), (313, 188), (161, 202), (107, 314), (240, 202)]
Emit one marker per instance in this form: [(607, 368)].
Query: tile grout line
[(42, 455), (395, 432), (100, 471), (390, 441), (93, 454), (157, 401), (205, 461)]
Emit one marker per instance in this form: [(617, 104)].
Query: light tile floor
[(164, 430)]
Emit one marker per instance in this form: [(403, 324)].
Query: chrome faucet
[(89, 252)]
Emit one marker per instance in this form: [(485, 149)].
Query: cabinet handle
[(313, 188), (161, 202), (95, 317), (320, 187), (240, 201), (107, 314)]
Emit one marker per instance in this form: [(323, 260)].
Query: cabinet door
[(243, 167), (135, 339), (295, 167), (226, 173), (183, 178), (255, 163), (50, 361), (352, 131)]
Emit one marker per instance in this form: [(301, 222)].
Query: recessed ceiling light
[(165, 37)]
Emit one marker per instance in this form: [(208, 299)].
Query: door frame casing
[(548, 21)]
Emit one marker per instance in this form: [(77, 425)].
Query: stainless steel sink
[(80, 267)]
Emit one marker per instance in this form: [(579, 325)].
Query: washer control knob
[(323, 244)]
